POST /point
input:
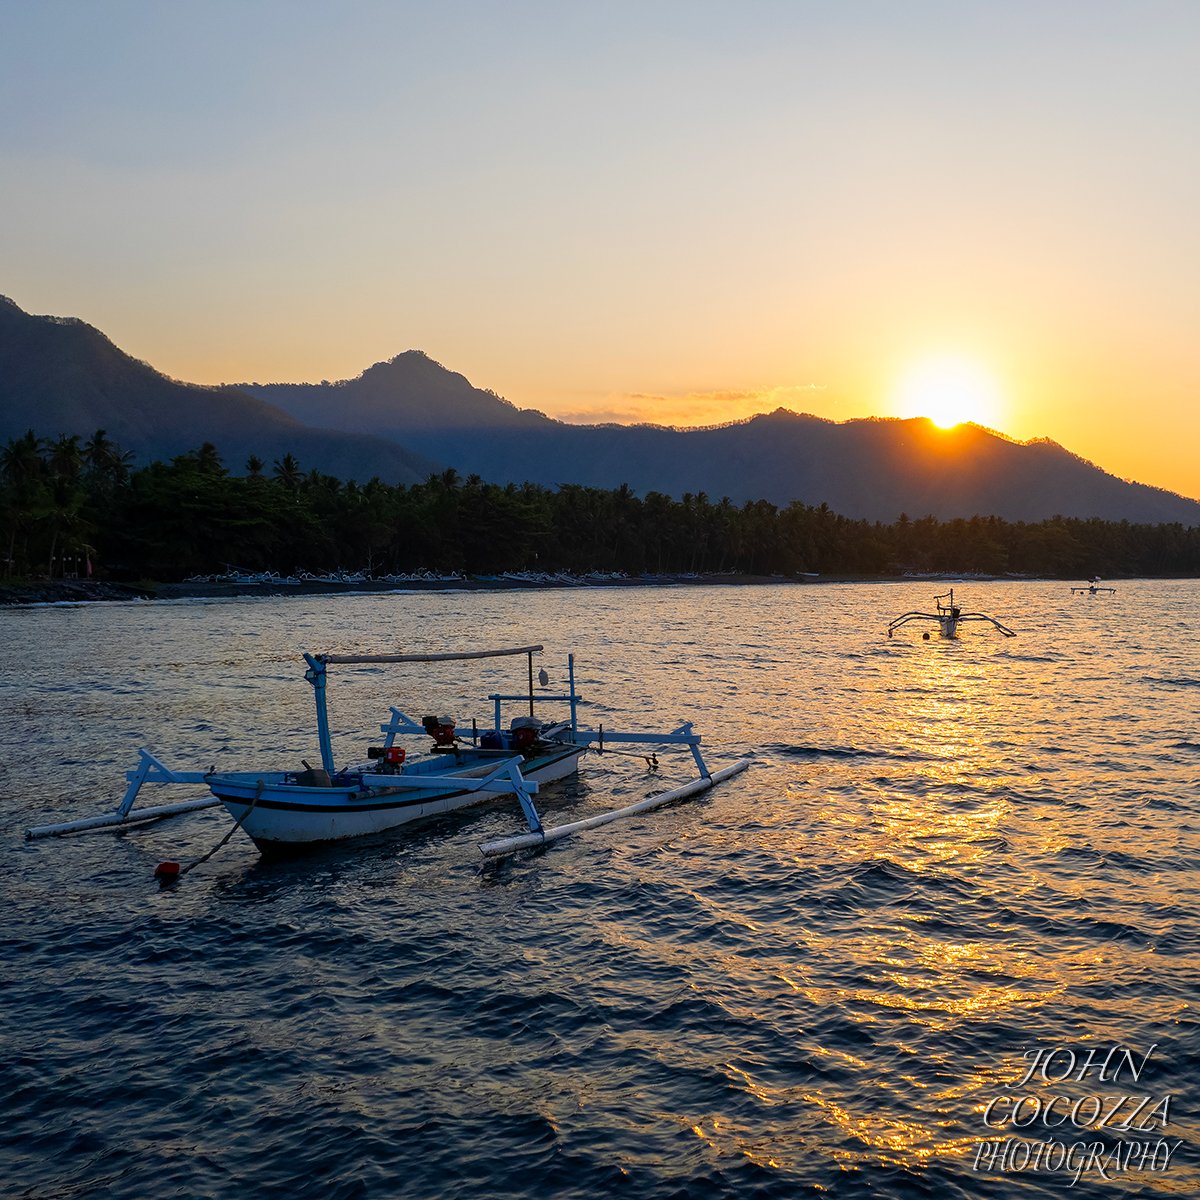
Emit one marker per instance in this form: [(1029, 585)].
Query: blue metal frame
[(316, 676)]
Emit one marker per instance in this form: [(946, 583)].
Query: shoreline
[(81, 591), (87, 591)]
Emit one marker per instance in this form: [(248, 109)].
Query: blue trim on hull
[(375, 802)]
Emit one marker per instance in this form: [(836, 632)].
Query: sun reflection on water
[(946, 854)]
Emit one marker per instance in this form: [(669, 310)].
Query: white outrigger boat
[(1092, 587), (948, 616), (285, 811)]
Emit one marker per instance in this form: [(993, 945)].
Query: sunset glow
[(949, 391), (798, 210)]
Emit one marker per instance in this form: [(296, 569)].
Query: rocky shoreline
[(67, 591)]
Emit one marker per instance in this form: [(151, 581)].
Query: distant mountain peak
[(60, 375), (413, 363), (398, 397), (790, 414)]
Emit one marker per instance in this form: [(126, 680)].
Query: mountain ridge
[(866, 467), (409, 416), (60, 375)]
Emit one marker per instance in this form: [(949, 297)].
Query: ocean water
[(951, 861)]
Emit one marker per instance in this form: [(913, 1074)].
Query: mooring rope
[(237, 824)]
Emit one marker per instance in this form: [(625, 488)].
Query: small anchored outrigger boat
[(283, 811), (1092, 587), (948, 616)]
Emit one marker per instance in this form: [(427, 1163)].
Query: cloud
[(692, 408)]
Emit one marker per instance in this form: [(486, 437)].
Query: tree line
[(70, 506)]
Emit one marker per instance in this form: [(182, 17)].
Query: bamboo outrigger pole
[(149, 770), (530, 841)]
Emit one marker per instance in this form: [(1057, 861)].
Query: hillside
[(60, 375), (873, 469)]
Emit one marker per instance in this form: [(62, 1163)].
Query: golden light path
[(949, 390)]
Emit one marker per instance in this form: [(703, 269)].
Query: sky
[(634, 211)]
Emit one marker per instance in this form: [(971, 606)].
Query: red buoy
[(167, 872)]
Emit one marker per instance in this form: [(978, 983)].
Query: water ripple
[(808, 983)]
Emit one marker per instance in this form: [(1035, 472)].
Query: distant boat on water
[(949, 615), (1091, 588)]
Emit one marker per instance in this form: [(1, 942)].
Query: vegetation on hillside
[(71, 506)]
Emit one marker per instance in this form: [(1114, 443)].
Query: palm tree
[(66, 458), (208, 461), (21, 459), (287, 471), (63, 513), (23, 473), (64, 501), (105, 463)]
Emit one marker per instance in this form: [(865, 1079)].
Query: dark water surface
[(811, 981)]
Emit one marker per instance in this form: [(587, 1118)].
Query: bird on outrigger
[(948, 616)]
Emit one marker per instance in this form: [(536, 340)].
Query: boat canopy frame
[(317, 677), (403, 725)]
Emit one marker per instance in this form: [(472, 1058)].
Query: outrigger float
[(286, 811), (949, 615), (1092, 587)]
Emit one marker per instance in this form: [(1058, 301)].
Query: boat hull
[(282, 817)]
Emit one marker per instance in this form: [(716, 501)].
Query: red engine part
[(523, 738), (393, 755), (441, 729)]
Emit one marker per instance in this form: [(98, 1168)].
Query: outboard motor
[(523, 731), (441, 729)]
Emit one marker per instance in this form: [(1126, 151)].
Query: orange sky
[(683, 212)]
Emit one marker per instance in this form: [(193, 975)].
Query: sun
[(949, 391)]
